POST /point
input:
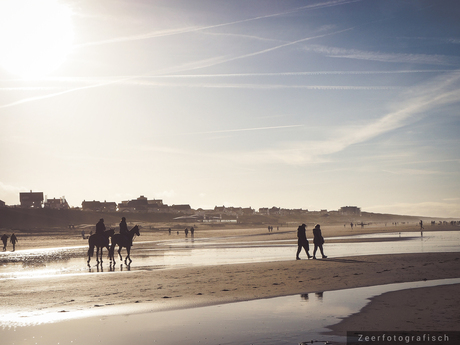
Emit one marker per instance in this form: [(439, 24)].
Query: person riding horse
[(124, 228), (100, 227)]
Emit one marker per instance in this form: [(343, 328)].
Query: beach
[(155, 290)]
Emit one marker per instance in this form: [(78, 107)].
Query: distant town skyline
[(312, 104)]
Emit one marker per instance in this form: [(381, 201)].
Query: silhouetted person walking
[(318, 240), (100, 227), (13, 240), (5, 241), (302, 241)]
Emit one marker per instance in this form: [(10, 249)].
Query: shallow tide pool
[(204, 251), (281, 320)]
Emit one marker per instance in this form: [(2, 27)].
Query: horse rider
[(124, 229), (100, 227)]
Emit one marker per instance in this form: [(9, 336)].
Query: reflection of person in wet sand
[(318, 240), (5, 241), (13, 240), (302, 241)]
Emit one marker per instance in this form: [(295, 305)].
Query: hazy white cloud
[(9, 188), (165, 194), (416, 172), (426, 208)]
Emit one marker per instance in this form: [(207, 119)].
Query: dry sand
[(435, 308)]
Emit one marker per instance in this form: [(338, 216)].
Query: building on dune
[(56, 204), (142, 204), (31, 199), (350, 211), (99, 206)]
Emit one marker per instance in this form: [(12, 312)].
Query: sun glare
[(35, 36)]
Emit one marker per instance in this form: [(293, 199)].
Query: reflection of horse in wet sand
[(99, 241), (125, 241)]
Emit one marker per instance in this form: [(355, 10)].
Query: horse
[(123, 241), (99, 241)]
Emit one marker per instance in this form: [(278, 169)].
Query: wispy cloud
[(55, 94), (412, 172), (300, 73), (383, 57), (179, 31), (246, 129), (27, 88), (416, 102)]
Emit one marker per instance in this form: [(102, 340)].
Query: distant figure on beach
[(100, 227), (192, 231), (351, 225), (83, 234), (123, 227), (169, 231), (318, 240), (302, 241), (186, 232), (5, 241), (13, 240), (421, 225)]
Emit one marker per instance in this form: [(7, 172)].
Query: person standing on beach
[(5, 241), (13, 240), (302, 241), (318, 240)]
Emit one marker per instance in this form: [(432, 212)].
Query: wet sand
[(420, 309), (157, 290)]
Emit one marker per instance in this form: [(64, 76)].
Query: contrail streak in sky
[(247, 129), (164, 33)]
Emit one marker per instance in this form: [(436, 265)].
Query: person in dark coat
[(100, 227), (302, 241), (318, 240), (5, 241), (13, 240), (123, 227)]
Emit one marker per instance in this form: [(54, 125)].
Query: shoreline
[(211, 285), (25, 302)]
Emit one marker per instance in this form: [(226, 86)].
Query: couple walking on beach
[(13, 240), (302, 241)]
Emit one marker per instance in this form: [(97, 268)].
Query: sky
[(312, 104)]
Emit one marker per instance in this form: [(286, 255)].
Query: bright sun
[(35, 36)]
